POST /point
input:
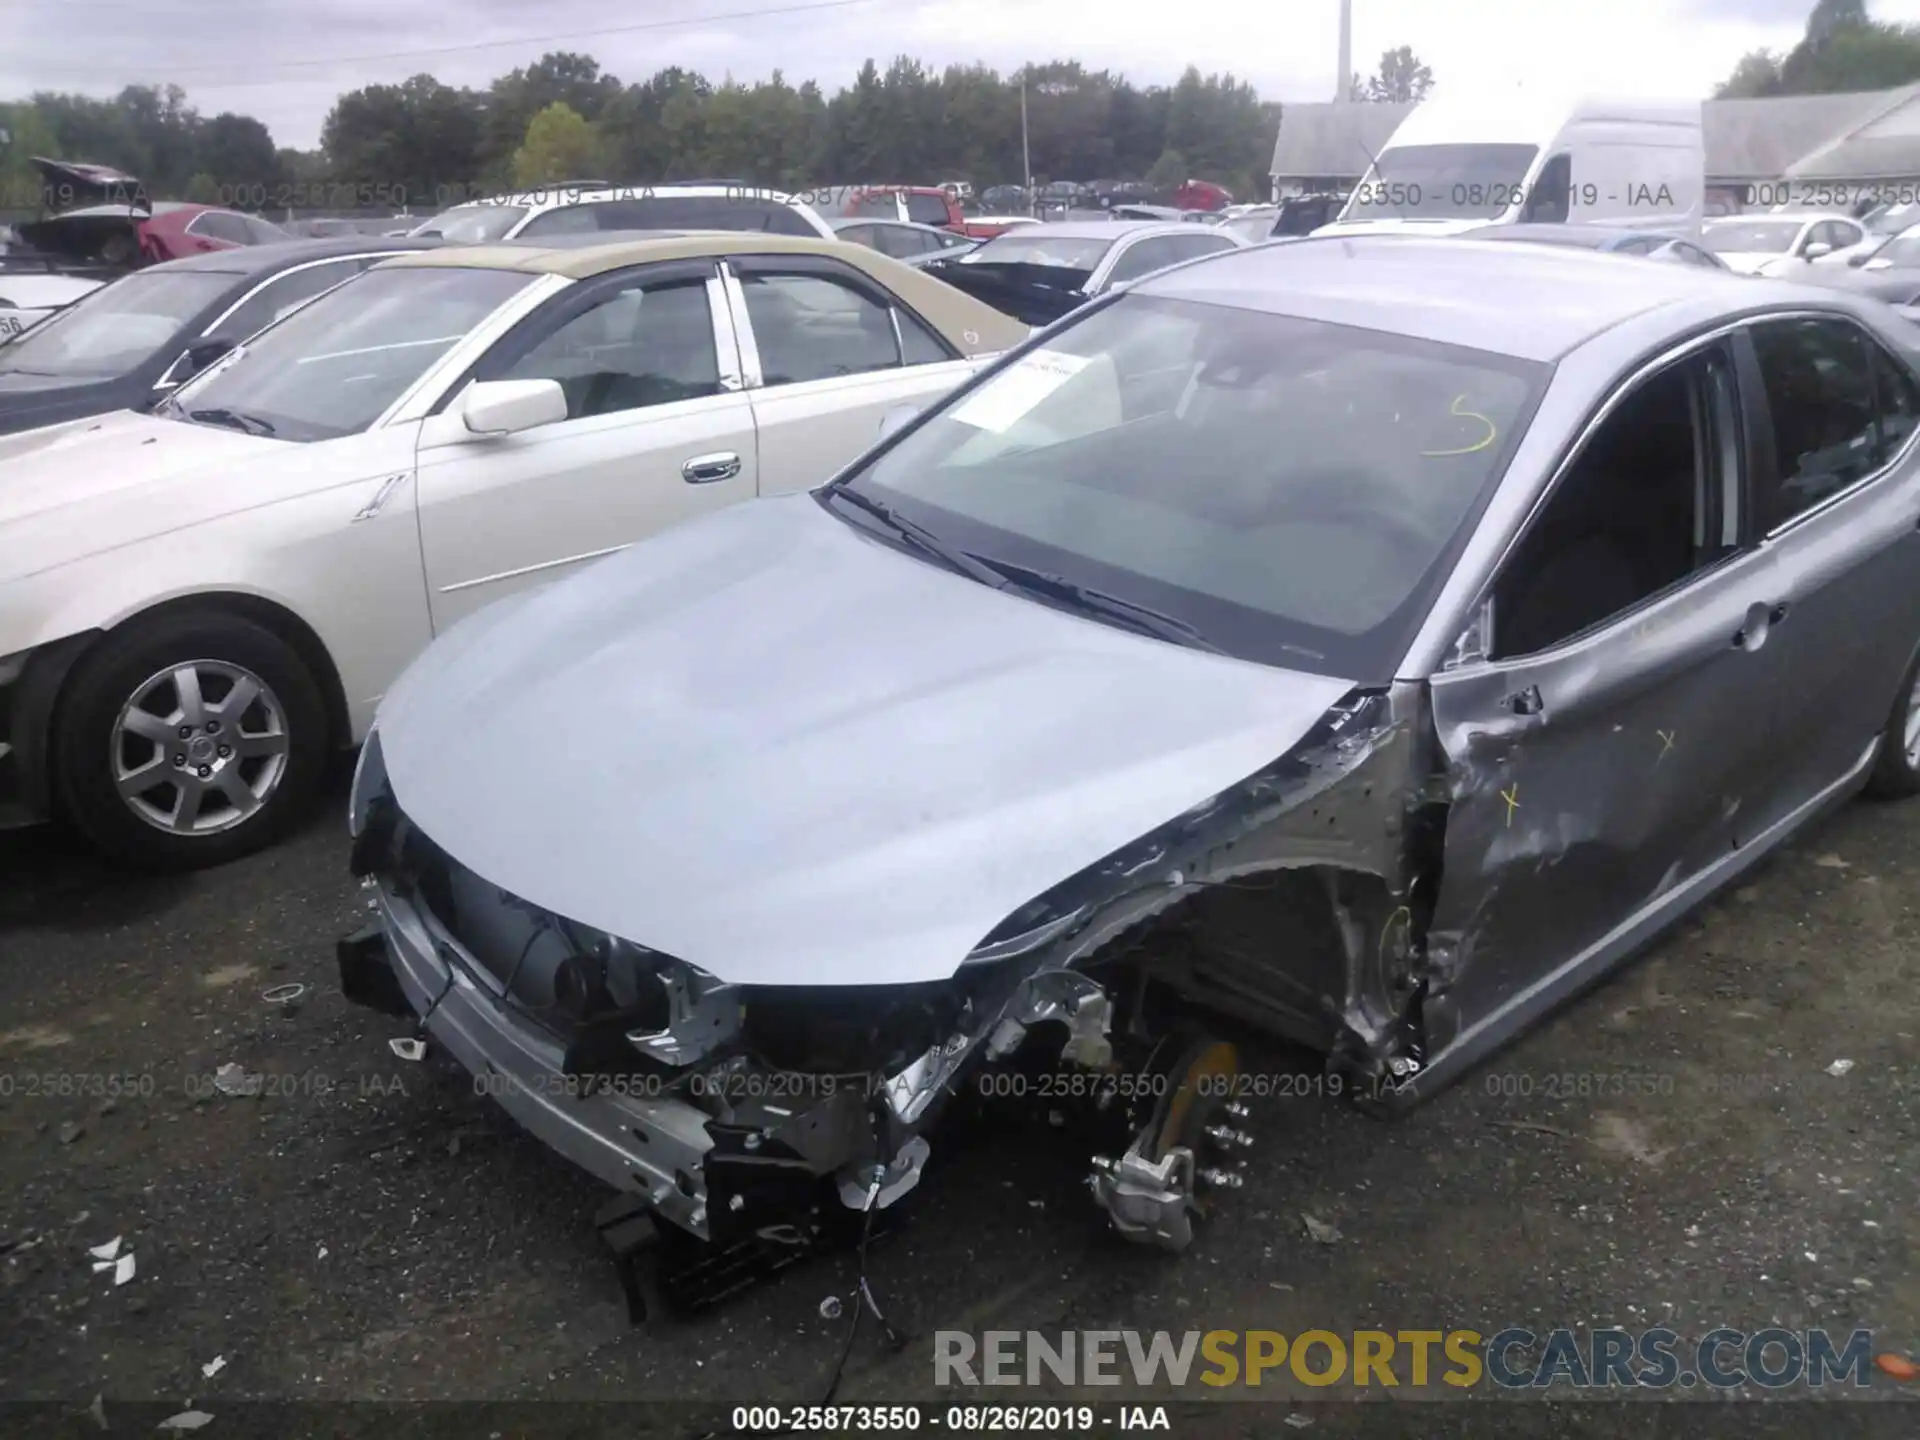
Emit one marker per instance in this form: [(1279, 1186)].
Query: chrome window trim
[(752, 377), (280, 275), (1893, 463), (726, 342)]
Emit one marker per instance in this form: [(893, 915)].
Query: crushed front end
[(758, 1117)]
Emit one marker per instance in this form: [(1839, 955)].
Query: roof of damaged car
[(1533, 302), (973, 326)]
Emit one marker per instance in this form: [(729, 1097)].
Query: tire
[(1896, 775), (253, 772)]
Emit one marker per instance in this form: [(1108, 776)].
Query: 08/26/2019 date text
[(958, 1419)]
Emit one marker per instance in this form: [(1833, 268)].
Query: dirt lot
[(368, 1230)]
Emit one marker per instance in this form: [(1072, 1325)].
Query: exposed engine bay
[(755, 1121)]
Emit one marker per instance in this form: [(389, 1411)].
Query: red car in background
[(101, 216), (1202, 195), (918, 204)]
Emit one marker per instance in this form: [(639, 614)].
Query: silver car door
[(1597, 757), (1838, 493)]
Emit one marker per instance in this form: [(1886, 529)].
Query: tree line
[(1843, 49), (423, 142)]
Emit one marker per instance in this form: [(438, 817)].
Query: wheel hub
[(199, 747)]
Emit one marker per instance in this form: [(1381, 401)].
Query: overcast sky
[(284, 61)]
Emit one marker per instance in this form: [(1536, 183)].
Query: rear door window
[(1829, 429), (809, 327)]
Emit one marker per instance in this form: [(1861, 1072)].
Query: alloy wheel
[(199, 747)]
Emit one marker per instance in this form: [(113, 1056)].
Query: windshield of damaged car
[(334, 365), (117, 327), (476, 224), (1291, 491)]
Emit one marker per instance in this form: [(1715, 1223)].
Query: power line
[(518, 40)]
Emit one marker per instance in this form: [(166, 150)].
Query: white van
[(1455, 164)]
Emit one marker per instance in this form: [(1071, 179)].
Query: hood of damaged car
[(789, 754)]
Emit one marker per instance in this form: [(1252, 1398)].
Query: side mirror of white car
[(895, 418), (1817, 249), (506, 407)]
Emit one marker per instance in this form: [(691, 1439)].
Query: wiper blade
[(1128, 612), (921, 538), (232, 419)]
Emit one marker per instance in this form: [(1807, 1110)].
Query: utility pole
[(1344, 87), (1026, 156)]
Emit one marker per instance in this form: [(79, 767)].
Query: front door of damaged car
[(656, 432), (835, 354), (1616, 743)]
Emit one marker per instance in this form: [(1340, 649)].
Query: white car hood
[(792, 755), (72, 490)]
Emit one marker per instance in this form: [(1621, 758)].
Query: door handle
[(1527, 701), (1760, 619), (705, 469)]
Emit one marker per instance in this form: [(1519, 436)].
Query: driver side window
[(644, 344), (1647, 503)]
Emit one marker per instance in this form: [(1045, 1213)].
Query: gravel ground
[(368, 1230)]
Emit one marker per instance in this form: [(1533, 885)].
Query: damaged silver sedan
[(1370, 641)]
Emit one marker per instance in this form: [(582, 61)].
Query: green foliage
[(561, 144), (1842, 50), (425, 144), (1169, 172), (1400, 78)]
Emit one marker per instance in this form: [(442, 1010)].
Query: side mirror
[(1817, 249), (196, 357), (507, 407), (896, 419)]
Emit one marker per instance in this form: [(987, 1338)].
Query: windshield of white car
[(474, 224), (1751, 237), (1442, 182), (109, 332), (1026, 245), (334, 365), (1285, 490)]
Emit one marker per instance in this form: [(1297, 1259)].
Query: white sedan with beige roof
[(197, 605)]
